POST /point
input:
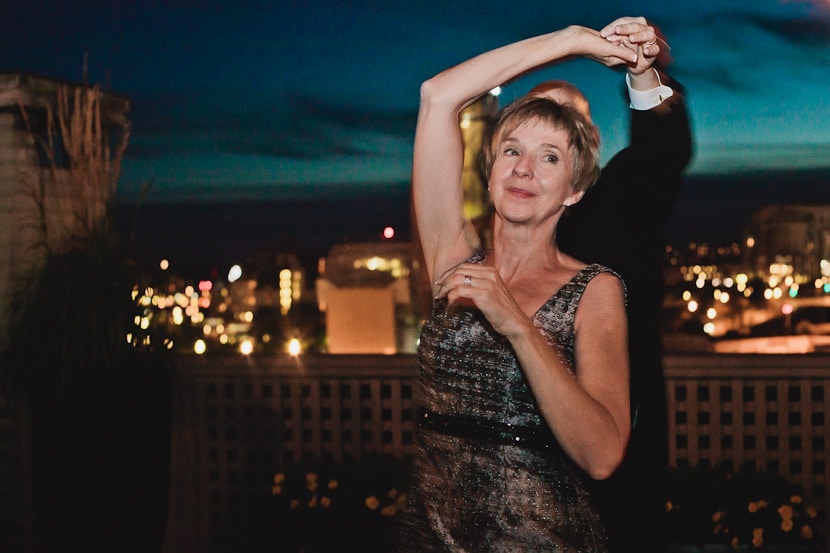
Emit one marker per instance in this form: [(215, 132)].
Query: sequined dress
[(488, 475)]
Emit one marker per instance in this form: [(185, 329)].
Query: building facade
[(56, 176), (370, 294), (793, 235)]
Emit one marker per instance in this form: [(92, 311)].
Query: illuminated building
[(474, 123), (796, 235), (367, 292), (257, 299)]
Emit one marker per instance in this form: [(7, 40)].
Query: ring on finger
[(652, 42), (468, 280)]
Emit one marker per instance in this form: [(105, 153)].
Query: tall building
[(797, 236), (475, 123), (57, 172)]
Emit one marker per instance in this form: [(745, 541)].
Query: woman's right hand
[(482, 286)]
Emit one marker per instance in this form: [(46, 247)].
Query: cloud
[(725, 159), (314, 140), (811, 32), (291, 127)]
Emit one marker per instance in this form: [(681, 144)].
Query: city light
[(244, 313), (200, 347), (178, 315), (285, 286), (246, 347), (294, 347)]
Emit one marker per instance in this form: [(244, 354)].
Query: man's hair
[(576, 97), (582, 140)]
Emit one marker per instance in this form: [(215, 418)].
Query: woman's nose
[(522, 167)]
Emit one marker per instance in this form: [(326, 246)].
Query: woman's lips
[(521, 192)]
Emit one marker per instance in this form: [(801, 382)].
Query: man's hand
[(592, 45), (636, 33)]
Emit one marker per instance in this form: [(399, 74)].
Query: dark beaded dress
[(488, 474)]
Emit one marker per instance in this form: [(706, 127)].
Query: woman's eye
[(551, 158), (511, 152)]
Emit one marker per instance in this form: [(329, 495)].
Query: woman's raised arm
[(439, 150)]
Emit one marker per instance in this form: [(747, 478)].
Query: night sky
[(282, 101)]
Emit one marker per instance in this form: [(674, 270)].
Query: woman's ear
[(573, 198)]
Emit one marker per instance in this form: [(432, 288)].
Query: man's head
[(566, 94), (563, 92)]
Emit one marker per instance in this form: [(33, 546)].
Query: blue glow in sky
[(241, 100)]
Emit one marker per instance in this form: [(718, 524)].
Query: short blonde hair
[(582, 138)]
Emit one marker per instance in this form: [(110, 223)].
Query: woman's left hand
[(483, 287)]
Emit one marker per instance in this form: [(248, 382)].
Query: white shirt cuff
[(644, 100)]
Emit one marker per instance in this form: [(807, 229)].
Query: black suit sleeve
[(637, 190)]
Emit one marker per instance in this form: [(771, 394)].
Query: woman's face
[(531, 177)]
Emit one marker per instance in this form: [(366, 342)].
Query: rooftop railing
[(239, 419)]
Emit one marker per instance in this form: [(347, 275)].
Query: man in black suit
[(620, 223)]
